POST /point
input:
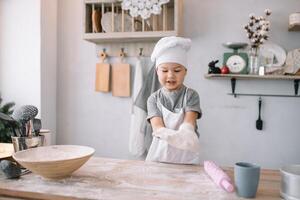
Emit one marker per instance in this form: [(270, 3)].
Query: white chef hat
[(171, 50)]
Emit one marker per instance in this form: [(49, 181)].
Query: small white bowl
[(54, 162)]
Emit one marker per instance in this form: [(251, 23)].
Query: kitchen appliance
[(237, 62)]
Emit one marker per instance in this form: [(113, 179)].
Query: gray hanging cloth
[(138, 115), (150, 85)]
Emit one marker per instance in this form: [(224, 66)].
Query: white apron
[(161, 151)]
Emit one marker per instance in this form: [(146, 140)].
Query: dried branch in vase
[(257, 29)]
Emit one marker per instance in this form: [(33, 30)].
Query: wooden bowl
[(54, 162), (6, 150)]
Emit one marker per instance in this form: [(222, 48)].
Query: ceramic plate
[(106, 22), (278, 52)]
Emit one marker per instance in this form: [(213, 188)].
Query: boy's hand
[(184, 138), (186, 126), (164, 133)]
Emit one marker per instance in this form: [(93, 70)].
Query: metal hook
[(259, 98), (141, 52), (122, 54), (103, 55)]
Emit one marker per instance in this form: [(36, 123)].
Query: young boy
[(173, 109)]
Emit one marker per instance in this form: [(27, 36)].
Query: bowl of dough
[(54, 162)]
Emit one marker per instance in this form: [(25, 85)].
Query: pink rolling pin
[(218, 176)]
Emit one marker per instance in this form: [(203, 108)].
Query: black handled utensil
[(259, 122), (37, 125)]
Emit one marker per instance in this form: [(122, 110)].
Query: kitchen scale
[(236, 61)]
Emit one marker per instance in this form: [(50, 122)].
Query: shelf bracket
[(233, 85), (296, 86), (263, 95), (233, 82)]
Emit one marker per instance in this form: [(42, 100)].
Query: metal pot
[(290, 182)]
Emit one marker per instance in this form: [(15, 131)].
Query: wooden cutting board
[(121, 80), (96, 21), (102, 75)]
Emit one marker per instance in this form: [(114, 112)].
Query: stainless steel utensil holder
[(23, 143)]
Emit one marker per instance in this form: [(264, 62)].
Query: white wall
[(28, 63), (49, 65), (20, 52), (227, 128)]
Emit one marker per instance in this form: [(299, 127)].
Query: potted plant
[(6, 129), (5, 126)]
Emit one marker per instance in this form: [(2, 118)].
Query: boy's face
[(171, 75)]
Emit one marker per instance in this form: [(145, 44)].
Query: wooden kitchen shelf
[(127, 36), (234, 77), (121, 27), (249, 76)]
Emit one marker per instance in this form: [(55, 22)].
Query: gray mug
[(246, 178)]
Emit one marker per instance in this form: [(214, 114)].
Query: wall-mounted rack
[(234, 77), (105, 21)]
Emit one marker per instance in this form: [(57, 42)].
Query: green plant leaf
[(2, 126), (5, 127), (6, 108)]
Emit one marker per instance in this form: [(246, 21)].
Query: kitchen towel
[(150, 85), (138, 115)]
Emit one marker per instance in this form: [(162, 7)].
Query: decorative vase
[(253, 61)]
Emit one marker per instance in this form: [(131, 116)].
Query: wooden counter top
[(112, 179)]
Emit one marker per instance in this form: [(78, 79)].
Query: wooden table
[(110, 179)]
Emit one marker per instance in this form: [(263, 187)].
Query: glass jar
[(253, 64)]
